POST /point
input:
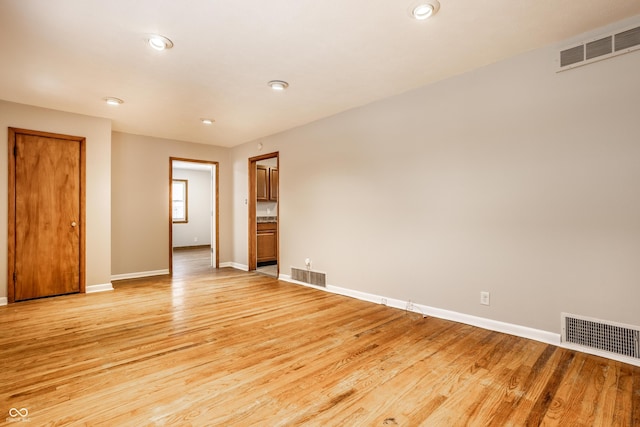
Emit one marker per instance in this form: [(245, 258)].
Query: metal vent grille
[(602, 335), (308, 276), (572, 56), (599, 47), (604, 47), (299, 274), (628, 39)]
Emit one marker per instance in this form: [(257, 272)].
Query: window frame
[(185, 200)]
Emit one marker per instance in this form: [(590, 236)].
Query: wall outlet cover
[(484, 298)]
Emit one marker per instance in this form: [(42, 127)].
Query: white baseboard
[(481, 322), (235, 265), (99, 288), (139, 274), (4, 301)]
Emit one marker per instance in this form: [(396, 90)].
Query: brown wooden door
[(47, 214)]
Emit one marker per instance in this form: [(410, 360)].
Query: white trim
[(235, 265), (481, 322), (139, 274), (4, 301), (99, 288)]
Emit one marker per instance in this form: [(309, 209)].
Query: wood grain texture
[(46, 214), (223, 347)]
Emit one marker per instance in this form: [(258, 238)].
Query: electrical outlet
[(384, 301), (484, 298), (195, 239)]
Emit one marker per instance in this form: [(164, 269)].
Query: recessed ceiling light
[(207, 121), (278, 85), (159, 42), (113, 101), (422, 10)]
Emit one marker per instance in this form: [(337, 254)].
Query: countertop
[(263, 219)]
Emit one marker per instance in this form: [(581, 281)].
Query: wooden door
[(46, 214)]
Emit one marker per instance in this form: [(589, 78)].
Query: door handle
[(73, 223)]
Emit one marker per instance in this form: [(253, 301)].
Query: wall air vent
[(308, 276), (572, 56), (599, 47), (603, 47), (597, 334), (628, 39)]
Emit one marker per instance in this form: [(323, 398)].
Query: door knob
[(73, 223)]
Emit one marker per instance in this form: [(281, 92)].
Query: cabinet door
[(267, 246), (262, 188), (273, 184)]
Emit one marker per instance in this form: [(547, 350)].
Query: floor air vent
[(308, 276), (602, 335), (603, 47)]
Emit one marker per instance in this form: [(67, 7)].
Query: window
[(180, 197)]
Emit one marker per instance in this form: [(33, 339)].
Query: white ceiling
[(336, 54)]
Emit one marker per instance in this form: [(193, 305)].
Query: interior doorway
[(264, 218), (193, 213)]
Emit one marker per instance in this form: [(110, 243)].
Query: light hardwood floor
[(229, 348)]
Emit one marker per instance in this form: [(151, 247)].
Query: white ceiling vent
[(603, 47)]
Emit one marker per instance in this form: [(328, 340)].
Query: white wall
[(140, 200), (199, 199), (98, 161), (512, 179)]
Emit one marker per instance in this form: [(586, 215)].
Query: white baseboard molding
[(99, 288), (235, 265), (481, 322), (139, 274), (4, 301)]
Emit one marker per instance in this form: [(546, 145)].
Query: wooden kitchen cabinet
[(262, 188), (267, 242), (267, 184), (273, 184)]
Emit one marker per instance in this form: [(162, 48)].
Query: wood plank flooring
[(228, 348)]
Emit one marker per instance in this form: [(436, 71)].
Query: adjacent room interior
[(320, 213)]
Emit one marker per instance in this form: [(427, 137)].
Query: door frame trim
[(11, 234), (217, 213), (252, 259)]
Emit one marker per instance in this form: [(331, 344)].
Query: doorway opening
[(193, 215), (264, 218)]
